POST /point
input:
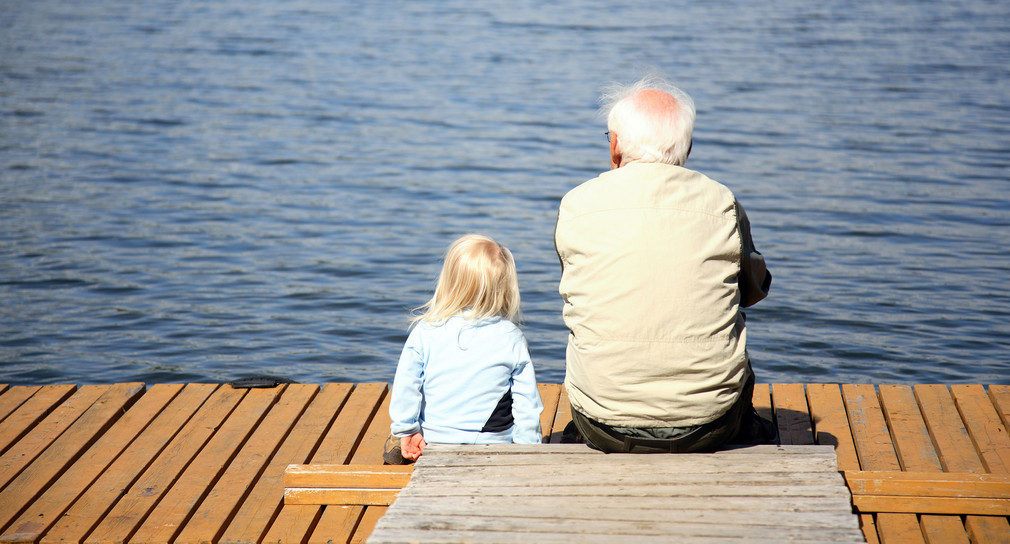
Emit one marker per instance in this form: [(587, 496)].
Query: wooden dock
[(205, 462)]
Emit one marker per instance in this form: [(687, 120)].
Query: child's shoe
[(392, 454)]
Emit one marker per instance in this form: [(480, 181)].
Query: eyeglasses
[(607, 134)]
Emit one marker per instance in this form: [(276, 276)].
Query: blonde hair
[(478, 281)]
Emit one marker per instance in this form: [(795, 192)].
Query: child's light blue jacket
[(453, 382)]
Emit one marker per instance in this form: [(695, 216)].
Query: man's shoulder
[(645, 179)]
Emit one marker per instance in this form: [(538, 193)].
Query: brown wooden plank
[(369, 448), (32, 411), (360, 476), (869, 430), (954, 446), (340, 497), (915, 451), (943, 529), (550, 393), (988, 529), (157, 481), (1000, 395), (32, 444), (792, 414), (876, 452), (295, 522), (365, 527), (762, 401), (931, 505), (831, 423), (214, 512), (144, 493), (370, 451), (338, 447), (79, 519), (908, 430), (173, 510), (562, 417), (898, 529), (44, 470), (984, 426), (338, 526), (14, 397), (45, 510), (868, 524), (929, 484), (261, 507)]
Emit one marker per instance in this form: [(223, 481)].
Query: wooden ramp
[(570, 493), (205, 462)]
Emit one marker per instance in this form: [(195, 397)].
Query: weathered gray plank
[(658, 490), (568, 449), (802, 512), (564, 493), (695, 461), (562, 535), (587, 523), (711, 468)]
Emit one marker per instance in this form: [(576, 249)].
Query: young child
[(465, 374)]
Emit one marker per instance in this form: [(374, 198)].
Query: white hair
[(644, 135)]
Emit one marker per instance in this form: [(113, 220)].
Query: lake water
[(199, 191)]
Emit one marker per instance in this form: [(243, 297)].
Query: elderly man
[(657, 261)]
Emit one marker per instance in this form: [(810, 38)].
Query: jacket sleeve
[(405, 405), (755, 280), (526, 403)]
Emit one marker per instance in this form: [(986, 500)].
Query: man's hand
[(412, 446)]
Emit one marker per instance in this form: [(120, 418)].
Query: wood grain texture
[(515, 493)]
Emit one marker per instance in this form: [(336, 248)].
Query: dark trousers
[(739, 425)]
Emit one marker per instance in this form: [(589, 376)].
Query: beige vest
[(650, 256)]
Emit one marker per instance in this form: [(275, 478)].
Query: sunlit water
[(202, 191)]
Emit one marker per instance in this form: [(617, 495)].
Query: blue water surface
[(199, 191)]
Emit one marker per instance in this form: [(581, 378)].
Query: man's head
[(649, 121)]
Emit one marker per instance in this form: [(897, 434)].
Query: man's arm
[(755, 280)]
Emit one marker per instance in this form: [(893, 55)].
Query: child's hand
[(412, 446)]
